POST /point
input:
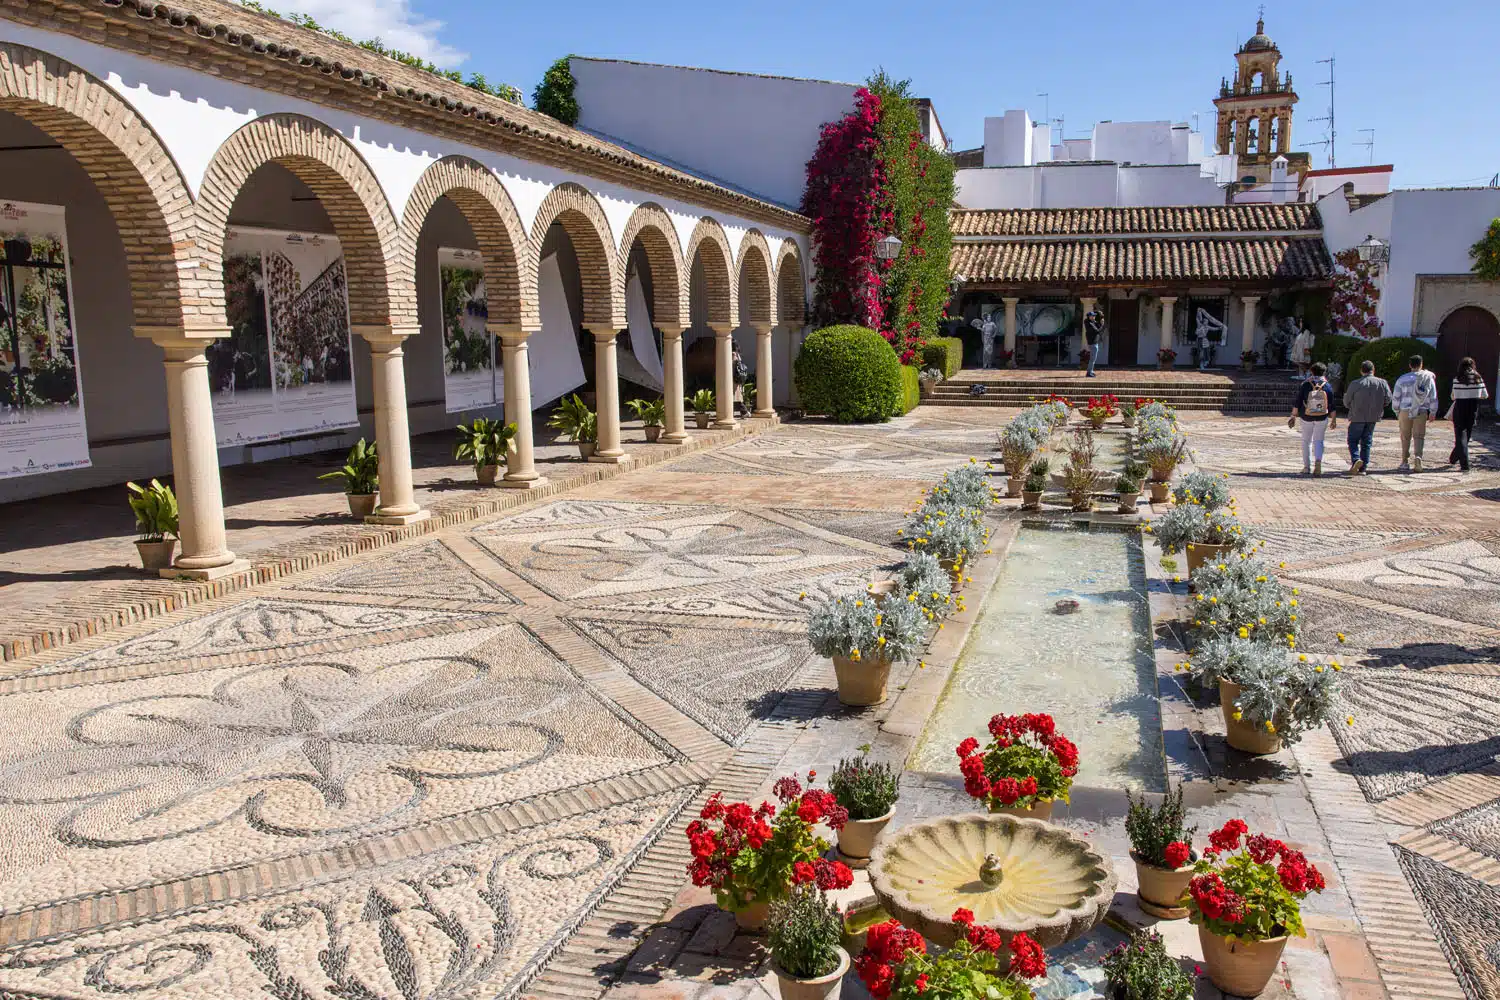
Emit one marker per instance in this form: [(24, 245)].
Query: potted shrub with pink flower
[(1246, 898), (751, 857), (1026, 766), (1161, 848), (896, 965)]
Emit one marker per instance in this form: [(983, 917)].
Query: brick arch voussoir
[(133, 171), (756, 284), (579, 213), (720, 289), (491, 215), (791, 285), (650, 225), (377, 256)]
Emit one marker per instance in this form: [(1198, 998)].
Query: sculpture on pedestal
[(987, 331), (1211, 333)]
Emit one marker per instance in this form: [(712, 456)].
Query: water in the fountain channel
[(1092, 669)]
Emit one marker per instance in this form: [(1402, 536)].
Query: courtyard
[(456, 759)]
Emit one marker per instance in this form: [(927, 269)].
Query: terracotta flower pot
[(822, 988), (955, 573), (861, 682), (1242, 968), (753, 917), (156, 556), (653, 433), (487, 474), (586, 449), (1030, 500), (1244, 735), (361, 505), (1248, 366), (1097, 422), (1041, 810), (1198, 555), (1164, 365), (1160, 492), (1128, 502), (1159, 890), (1013, 487), (702, 420), (857, 838), (1127, 420), (880, 590)]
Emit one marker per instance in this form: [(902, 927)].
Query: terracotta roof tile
[(1116, 261), (1126, 221)]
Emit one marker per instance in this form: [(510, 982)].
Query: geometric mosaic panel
[(430, 570), (1466, 915)]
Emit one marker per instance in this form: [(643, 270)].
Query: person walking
[(1314, 414), (1415, 399), (1468, 392), (1366, 399)]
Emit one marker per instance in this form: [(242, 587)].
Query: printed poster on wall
[(41, 400), (473, 372), (286, 367)]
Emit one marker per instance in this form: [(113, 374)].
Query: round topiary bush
[(1390, 355), (1338, 348), (849, 373)]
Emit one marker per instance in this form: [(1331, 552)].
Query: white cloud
[(391, 21)]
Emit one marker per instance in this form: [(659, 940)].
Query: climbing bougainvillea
[(873, 174), (1355, 296), (1486, 254)]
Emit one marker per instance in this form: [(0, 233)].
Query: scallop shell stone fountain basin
[(1014, 874)]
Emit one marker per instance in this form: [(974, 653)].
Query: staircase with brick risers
[(1184, 389)]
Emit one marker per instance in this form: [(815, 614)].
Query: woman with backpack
[(1314, 410), (1468, 391)]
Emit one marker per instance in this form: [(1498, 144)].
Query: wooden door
[(1124, 331), (1470, 332)]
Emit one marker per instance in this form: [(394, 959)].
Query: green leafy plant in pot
[(1035, 485), (577, 423), (869, 790), (804, 932), (1141, 969), (863, 638), (652, 413), (155, 509), (361, 476), (485, 443), (703, 404), (1161, 847)]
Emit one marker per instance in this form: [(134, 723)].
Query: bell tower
[(1255, 111)]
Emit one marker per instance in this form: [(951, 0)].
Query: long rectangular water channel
[(1092, 670)]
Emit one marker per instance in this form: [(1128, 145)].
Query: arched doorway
[(1472, 332)]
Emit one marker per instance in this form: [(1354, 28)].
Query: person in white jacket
[(1414, 397)]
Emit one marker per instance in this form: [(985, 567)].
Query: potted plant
[(1020, 439), (923, 581), (651, 413), (1128, 488), (1083, 358), (1100, 409), (361, 476), (1246, 898), (751, 857), (1270, 694), (863, 639), (1203, 488), (1079, 482), (1036, 485), (155, 509), (1127, 414), (1061, 409), (1205, 534), (1141, 969), (703, 405), (1026, 766), (927, 380), (1161, 848), (1006, 358), (1241, 597), (1163, 457), (896, 965), (578, 424), (1166, 358), (1247, 360), (868, 791), (485, 443), (805, 935)]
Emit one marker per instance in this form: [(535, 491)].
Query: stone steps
[(1258, 398)]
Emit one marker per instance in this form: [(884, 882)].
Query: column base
[(212, 573), (725, 425), (398, 519), (619, 459), (669, 438), (763, 413), (522, 484)]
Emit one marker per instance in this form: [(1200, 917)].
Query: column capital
[(670, 331), (721, 333), (761, 329), (182, 338), (1250, 300), (605, 336), (1011, 300), (1168, 300), (384, 335)]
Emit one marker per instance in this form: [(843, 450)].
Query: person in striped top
[(1468, 391)]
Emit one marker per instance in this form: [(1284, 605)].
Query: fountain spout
[(990, 872)]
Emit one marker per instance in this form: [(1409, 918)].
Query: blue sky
[(1425, 76)]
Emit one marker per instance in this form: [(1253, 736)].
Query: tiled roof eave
[(1145, 261)]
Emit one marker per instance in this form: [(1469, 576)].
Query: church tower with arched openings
[(1255, 111)]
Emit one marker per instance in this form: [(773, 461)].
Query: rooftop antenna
[(1369, 143), (1333, 136)]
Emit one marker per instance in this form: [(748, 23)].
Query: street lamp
[(888, 248), (1374, 251)]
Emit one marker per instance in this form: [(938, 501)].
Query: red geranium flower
[(1177, 854), (1027, 959)]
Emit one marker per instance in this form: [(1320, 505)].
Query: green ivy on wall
[(554, 95)]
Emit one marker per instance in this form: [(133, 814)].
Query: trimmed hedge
[(945, 354), (1390, 355), (849, 373), (1338, 348), (911, 387)]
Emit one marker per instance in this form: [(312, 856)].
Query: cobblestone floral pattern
[(431, 570)]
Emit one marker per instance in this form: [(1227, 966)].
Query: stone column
[(520, 464), (765, 381), (205, 553), (1167, 304), (607, 389), (724, 378), (672, 389), (398, 505), (1247, 335), (1010, 327)]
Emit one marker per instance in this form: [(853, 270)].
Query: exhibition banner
[(286, 367), (472, 373), (556, 365), (41, 399)]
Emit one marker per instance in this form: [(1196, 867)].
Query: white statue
[(1211, 333), (1302, 348), (986, 327)]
